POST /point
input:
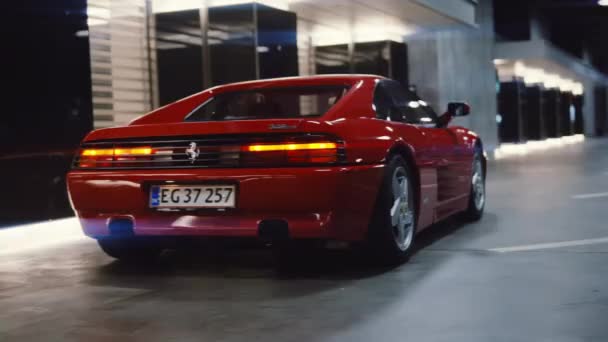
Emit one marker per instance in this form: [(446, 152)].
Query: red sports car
[(328, 158)]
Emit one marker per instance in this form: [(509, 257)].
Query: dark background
[(572, 25), (46, 104)]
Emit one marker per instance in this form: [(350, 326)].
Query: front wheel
[(477, 197), (393, 224), (130, 249)]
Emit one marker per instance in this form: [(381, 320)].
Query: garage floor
[(549, 282)]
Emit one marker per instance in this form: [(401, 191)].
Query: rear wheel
[(130, 249), (477, 197), (392, 229)]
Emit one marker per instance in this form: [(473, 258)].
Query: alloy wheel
[(401, 212), (478, 184)]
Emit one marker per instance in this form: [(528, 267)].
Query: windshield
[(272, 103)]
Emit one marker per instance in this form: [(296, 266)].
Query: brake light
[(323, 152), (110, 152), (138, 151), (292, 147), (96, 152), (104, 157), (256, 151)]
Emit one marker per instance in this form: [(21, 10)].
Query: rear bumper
[(316, 202)]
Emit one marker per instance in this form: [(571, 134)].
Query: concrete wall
[(424, 67), (456, 65), (589, 107), (460, 10), (606, 112)]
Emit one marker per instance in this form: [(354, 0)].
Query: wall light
[(97, 16), (566, 85), (519, 69), (516, 149), (161, 6), (534, 76), (552, 81), (280, 4)]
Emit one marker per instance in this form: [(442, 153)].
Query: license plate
[(193, 196)]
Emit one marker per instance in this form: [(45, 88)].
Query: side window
[(382, 102), (427, 114), (413, 110)]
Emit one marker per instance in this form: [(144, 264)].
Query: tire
[(477, 196), (130, 249), (392, 227)]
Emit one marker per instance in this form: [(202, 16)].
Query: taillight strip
[(213, 152), (291, 147), (110, 152)]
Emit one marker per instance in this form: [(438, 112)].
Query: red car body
[(333, 202)]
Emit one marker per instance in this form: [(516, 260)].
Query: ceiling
[(578, 27)]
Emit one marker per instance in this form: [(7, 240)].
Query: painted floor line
[(550, 245), (593, 195)]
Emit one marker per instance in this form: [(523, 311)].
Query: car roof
[(297, 80), (175, 111)]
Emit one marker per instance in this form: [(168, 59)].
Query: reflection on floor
[(521, 149), (39, 236)]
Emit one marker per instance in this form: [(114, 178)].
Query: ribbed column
[(120, 61)]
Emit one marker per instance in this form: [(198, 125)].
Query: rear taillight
[(292, 153), (238, 151), (108, 157), (292, 147)]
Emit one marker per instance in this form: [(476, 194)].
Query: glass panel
[(382, 103), (232, 43), (277, 42), (180, 55), (277, 103), (332, 59), (414, 110), (372, 58)]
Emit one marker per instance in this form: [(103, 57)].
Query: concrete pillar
[(589, 108), (538, 28), (424, 67), (456, 65), (606, 110)]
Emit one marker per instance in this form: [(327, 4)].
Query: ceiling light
[(603, 2), (413, 104)]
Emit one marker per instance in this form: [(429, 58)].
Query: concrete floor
[(455, 288)]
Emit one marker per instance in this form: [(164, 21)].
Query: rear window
[(269, 103)]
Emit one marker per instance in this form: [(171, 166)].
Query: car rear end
[(272, 177)]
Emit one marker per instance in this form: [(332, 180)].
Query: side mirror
[(454, 109), (459, 108)]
